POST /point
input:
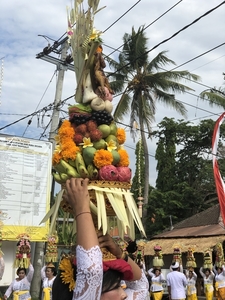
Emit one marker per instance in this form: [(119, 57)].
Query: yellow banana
[(59, 168), (72, 163), (70, 171), (92, 171), (64, 177), (80, 166), (57, 178)]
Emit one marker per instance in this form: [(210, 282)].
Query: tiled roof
[(207, 217)]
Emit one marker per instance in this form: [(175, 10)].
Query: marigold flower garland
[(124, 158), (65, 146)]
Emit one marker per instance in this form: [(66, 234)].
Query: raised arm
[(30, 273), (150, 272), (201, 272), (88, 254), (107, 241), (43, 275), (2, 267), (78, 198)]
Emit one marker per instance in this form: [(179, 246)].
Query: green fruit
[(88, 155), (101, 144), (111, 137), (116, 157), (113, 128), (105, 130)]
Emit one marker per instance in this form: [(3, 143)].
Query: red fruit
[(95, 135), (78, 138), (108, 173), (124, 174), (91, 125), (82, 129)]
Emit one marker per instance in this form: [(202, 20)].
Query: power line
[(117, 49), (30, 121), (171, 37), (206, 52), (121, 16)]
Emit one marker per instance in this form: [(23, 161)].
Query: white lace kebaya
[(90, 275)]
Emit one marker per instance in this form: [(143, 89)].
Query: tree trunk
[(37, 263), (146, 184)]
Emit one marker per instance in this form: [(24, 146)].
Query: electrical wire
[(30, 121), (171, 37), (145, 27), (206, 52), (121, 16)]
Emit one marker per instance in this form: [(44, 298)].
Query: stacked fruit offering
[(90, 145), (207, 260), (190, 259)]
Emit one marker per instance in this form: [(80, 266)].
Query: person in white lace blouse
[(20, 287), (96, 280)]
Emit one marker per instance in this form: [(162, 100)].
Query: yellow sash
[(17, 294), (208, 287), (46, 293), (216, 285)]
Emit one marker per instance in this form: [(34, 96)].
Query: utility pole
[(61, 68)]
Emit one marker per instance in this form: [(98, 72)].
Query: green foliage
[(185, 183), (143, 84)]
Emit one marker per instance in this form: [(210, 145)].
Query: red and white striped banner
[(220, 186)]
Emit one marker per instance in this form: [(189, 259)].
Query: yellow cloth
[(221, 293), (17, 294), (46, 293), (209, 295), (192, 297), (157, 295), (216, 285)]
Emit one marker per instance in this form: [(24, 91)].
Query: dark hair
[(155, 269), (111, 280), (52, 269), (60, 290), (132, 247), (207, 269), (21, 269)]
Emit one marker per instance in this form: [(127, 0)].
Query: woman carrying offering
[(191, 284), (208, 277), (220, 282), (48, 274), (157, 279), (21, 285), (96, 279)]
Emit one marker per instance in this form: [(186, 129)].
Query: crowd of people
[(117, 279), (182, 285)]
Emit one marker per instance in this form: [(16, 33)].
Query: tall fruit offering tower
[(90, 144)]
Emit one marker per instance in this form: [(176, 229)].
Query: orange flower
[(124, 158), (102, 158), (66, 130), (121, 135), (56, 158)]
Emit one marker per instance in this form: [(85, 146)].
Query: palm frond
[(157, 62), (169, 100), (214, 97), (122, 107)]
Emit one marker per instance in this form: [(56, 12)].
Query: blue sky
[(29, 84)]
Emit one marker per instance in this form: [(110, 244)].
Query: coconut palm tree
[(143, 84), (215, 96)]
